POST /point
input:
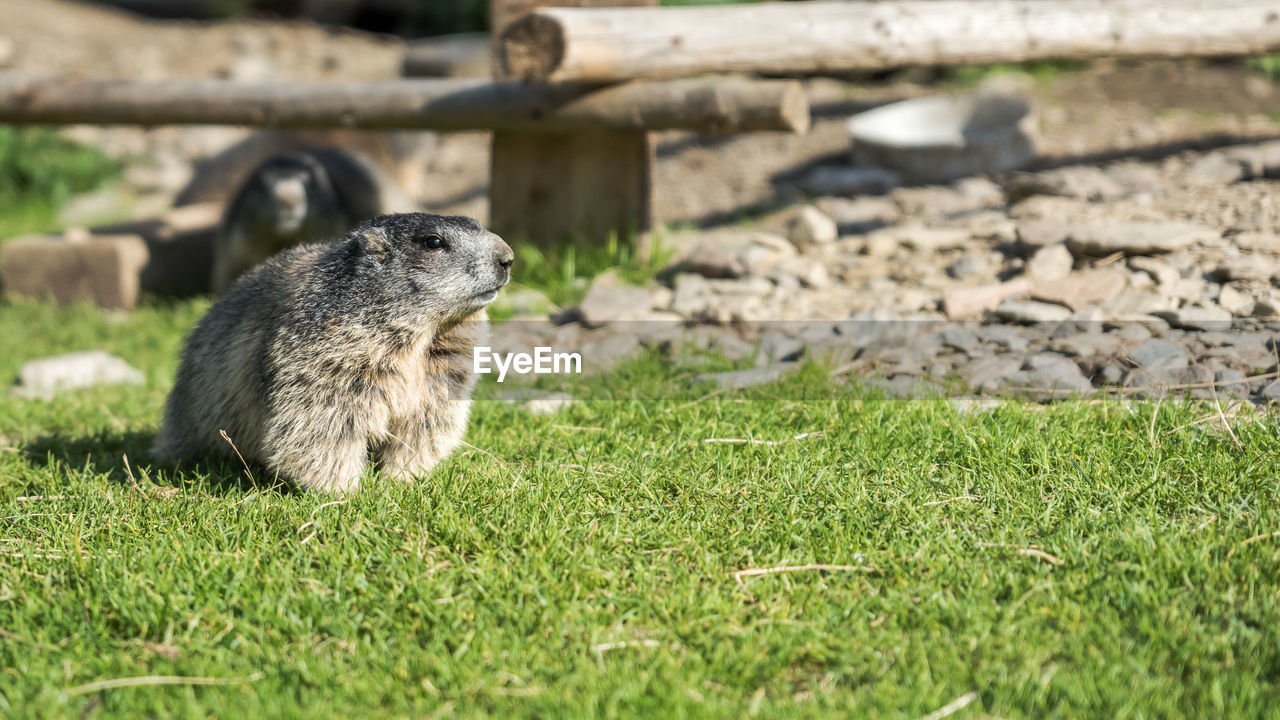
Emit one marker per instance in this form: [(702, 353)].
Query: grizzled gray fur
[(325, 353), (314, 195)]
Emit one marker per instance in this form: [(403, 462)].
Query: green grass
[(582, 565), (563, 274), (39, 170)]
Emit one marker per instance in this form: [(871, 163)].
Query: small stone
[(1080, 289), (1159, 356), (7, 51), (736, 254), (973, 405), (692, 295), (1137, 238), (1258, 242), (610, 299), (1216, 169), (548, 404), (1136, 306), (1010, 338), (603, 353), (968, 265), (1029, 312), (850, 180), (1162, 273), (1080, 181), (808, 271), (1252, 267), (1050, 263), (859, 215), (1050, 371), (989, 373), (931, 238), (747, 378), (46, 377), (1235, 300), (809, 227), (1087, 345), (1193, 317), (776, 347), (1036, 234), (966, 303), (961, 338), (1270, 392)]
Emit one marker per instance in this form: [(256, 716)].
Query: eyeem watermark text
[(541, 362)]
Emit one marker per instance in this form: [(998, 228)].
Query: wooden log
[(708, 105), (605, 45)]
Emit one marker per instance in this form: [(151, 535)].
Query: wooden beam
[(709, 105), (578, 186), (606, 45)]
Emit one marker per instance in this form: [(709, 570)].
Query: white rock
[(809, 227), (1030, 312), (46, 377), (1236, 301), (1050, 263), (1137, 238)]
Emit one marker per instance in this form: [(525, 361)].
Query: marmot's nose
[(505, 258)]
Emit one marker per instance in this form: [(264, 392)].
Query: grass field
[(1085, 560)]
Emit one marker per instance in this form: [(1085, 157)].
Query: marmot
[(325, 353), (314, 195)]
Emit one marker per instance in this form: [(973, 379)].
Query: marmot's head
[(441, 266), (284, 191)]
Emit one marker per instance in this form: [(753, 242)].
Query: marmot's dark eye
[(433, 242)]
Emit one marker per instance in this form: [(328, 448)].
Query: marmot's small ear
[(376, 243)]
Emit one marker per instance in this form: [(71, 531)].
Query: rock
[(1029, 312), (1049, 371), (1087, 344), (967, 303), (776, 347), (809, 227), (1036, 234), (961, 338), (973, 405), (968, 265), (1162, 273), (692, 295), (965, 196), (7, 51), (1085, 182), (537, 402), (46, 377), (1258, 242), (1010, 338), (102, 269), (1083, 288), (1216, 169), (1261, 160), (1192, 317), (807, 271), (919, 237), (736, 254), (1159, 356), (611, 299), (747, 378), (1136, 306), (859, 215), (1137, 238), (1235, 300), (989, 373), (601, 353), (1050, 263), (904, 386), (1252, 267), (1270, 392), (849, 180)]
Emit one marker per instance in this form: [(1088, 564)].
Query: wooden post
[(549, 187)]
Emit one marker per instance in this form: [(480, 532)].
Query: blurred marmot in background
[(314, 195), (325, 353)]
